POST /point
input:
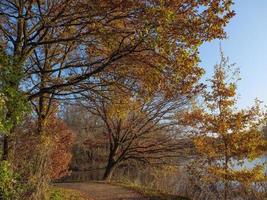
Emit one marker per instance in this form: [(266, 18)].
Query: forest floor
[(103, 191)]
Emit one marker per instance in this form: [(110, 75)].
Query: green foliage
[(13, 107), (56, 194), (2, 113), (9, 188), (63, 194), (13, 102)]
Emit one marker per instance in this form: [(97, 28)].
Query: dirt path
[(101, 191)]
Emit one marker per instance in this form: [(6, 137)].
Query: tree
[(64, 46), (58, 44), (136, 129), (224, 136)]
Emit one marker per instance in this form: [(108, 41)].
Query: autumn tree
[(136, 129), (224, 136), (59, 43)]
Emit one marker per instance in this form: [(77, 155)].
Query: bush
[(64, 194), (56, 195), (59, 139), (8, 187)]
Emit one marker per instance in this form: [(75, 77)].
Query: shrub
[(64, 194), (8, 187), (60, 139), (56, 194)]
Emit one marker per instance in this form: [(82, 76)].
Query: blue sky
[(246, 46)]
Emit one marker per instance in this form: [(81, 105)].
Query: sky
[(246, 46)]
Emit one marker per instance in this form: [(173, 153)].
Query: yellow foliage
[(225, 136)]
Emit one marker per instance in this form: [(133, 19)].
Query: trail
[(102, 191)]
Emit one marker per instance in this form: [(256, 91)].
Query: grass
[(150, 193), (57, 193)]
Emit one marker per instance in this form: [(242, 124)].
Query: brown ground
[(102, 191)]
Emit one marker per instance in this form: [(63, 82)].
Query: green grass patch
[(56, 193)]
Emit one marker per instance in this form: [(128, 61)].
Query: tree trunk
[(5, 148), (8, 147), (8, 141), (109, 171), (226, 181)]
